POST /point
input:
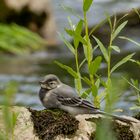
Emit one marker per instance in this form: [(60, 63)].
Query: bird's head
[(50, 81)]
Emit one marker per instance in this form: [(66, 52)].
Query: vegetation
[(94, 81), (134, 83), (18, 40), (111, 92), (9, 117)]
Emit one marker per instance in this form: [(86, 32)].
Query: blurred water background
[(27, 70)]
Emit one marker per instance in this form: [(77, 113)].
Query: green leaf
[(116, 48), (86, 93), (135, 61), (124, 60), (129, 39), (118, 30), (137, 12), (135, 108), (81, 64), (70, 23), (78, 84), (94, 90), (132, 84), (74, 34), (67, 44), (19, 40), (88, 51), (14, 118), (109, 21), (68, 69), (86, 5), (78, 31), (86, 80), (102, 95), (94, 65), (102, 48), (97, 83)]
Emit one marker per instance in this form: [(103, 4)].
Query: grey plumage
[(55, 94)]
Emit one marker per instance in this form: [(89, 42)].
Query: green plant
[(18, 40), (9, 117), (93, 80), (134, 83), (136, 88), (111, 92)]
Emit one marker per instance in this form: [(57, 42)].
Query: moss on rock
[(137, 116), (121, 131), (50, 123)]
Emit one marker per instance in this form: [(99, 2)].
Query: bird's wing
[(65, 91), (75, 102)]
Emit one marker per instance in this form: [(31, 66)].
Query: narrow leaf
[(109, 21), (86, 80), (97, 83), (68, 69), (129, 39), (74, 34), (78, 84), (70, 47), (94, 90), (102, 48), (88, 50), (78, 32), (70, 23), (116, 48), (86, 5), (137, 12), (81, 64), (131, 84), (135, 108), (86, 93), (118, 30), (124, 60), (94, 65)]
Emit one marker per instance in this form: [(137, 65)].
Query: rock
[(59, 125), (24, 129), (33, 14)]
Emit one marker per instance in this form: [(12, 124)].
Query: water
[(96, 13), (27, 70)]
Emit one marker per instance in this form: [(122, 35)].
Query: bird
[(56, 95)]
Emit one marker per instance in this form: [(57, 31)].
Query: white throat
[(58, 85)]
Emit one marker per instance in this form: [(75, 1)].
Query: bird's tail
[(127, 120)]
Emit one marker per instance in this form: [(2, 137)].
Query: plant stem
[(109, 56), (88, 46), (79, 84)]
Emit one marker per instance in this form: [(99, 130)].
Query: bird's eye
[(51, 83)]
